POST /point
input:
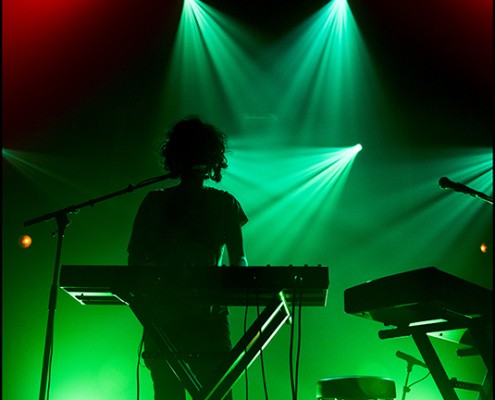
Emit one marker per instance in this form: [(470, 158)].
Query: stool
[(356, 388)]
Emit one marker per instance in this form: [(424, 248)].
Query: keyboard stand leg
[(431, 359), (247, 349), (482, 335), (242, 355), (178, 365), (486, 386)]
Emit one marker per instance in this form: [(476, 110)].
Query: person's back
[(179, 226), (187, 226)]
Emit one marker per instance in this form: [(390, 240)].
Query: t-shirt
[(176, 227), (184, 229)]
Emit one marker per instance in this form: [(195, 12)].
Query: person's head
[(194, 147)]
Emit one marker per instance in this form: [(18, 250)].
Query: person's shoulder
[(155, 193), (218, 192), (165, 190), (158, 194), (222, 197)]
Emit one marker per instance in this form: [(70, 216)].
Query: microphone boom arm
[(74, 209)]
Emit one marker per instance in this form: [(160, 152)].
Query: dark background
[(81, 93), (442, 50)]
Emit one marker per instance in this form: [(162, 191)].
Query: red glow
[(57, 53)]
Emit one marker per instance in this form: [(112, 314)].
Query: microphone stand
[(406, 389), (62, 222)]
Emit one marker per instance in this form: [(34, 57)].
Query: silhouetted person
[(187, 226)]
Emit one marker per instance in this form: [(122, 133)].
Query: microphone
[(447, 184), (410, 359)]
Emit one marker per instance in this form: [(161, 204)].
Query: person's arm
[(235, 248)]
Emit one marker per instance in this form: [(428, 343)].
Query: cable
[(419, 380), (294, 373), (291, 350), (245, 350), (261, 353), (298, 356)]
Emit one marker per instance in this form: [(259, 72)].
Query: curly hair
[(193, 145)]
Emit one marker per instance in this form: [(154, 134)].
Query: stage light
[(484, 248), (25, 241)]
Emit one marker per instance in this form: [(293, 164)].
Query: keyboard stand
[(242, 355), (419, 334)]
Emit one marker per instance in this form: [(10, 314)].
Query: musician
[(187, 226)]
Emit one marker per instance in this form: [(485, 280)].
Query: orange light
[(25, 241), (483, 248)]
